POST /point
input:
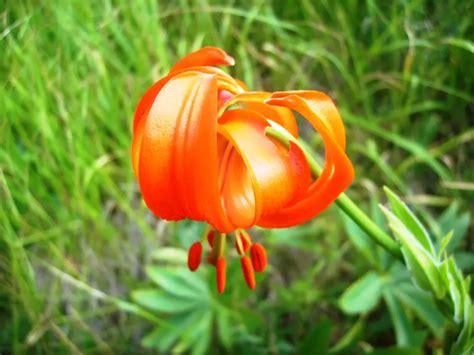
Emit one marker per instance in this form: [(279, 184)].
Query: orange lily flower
[(200, 151)]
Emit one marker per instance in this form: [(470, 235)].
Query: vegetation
[(85, 267)]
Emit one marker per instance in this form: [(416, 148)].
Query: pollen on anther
[(194, 256), (220, 274), (247, 270), (259, 257)]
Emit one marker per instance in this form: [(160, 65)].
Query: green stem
[(343, 201)]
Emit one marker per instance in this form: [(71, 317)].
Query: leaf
[(397, 351), (169, 254), (179, 282), (444, 243), (350, 338), (422, 305), (406, 216), (224, 327), (163, 302), (198, 337), (422, 265), (404, 330), (454, 281), (317, 340), (363, 295), (450, 221), (164, 337)]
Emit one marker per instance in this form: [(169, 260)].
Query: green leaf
[(406, 216), (455, 286), (351, 337), (444, 243), (317, 340), (163, 302), (164, 337), (198, 337), (404, 330), (458, 224), (422, 305), (422, 265), (397, 351), (179, 282), (170, 255), (225, 328), (363, 295)]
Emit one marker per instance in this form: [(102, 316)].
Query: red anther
[(259, 257), (247, 269), (220, 274), (194, 256), (210, 238)]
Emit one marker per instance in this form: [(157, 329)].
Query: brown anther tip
[(194, 256), (210, 238), (259, 257), (220, 274), (210, 259), (247, 269)]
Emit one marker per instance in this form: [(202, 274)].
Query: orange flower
[(200, 151)]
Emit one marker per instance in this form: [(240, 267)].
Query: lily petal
[(323, 106), (207, 56), (259, 164), (177, 167), (338, 171), (255, 102), (225, 82)]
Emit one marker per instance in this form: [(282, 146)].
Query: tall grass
[(75, 236)]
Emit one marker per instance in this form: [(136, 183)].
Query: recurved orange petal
[(337, 173), (255, 102), (225, 81), (177, 167), (260, 176), (207, 56)]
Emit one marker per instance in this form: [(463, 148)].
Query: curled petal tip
[(230, 60)]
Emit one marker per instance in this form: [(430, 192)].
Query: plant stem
[(344, 202)]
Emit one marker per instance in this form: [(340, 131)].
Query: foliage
[(83, 264)]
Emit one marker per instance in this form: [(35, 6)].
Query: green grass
[(75, 237)]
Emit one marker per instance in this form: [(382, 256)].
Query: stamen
[(246, 240), (259, 257), (218, 245), (242, 241), (220, 274), (247, 269), (238, 244), (210, 237), (194, 256)]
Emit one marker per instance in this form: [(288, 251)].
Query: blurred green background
[(85, 267)]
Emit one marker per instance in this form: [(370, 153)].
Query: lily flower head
[(200, 151)]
